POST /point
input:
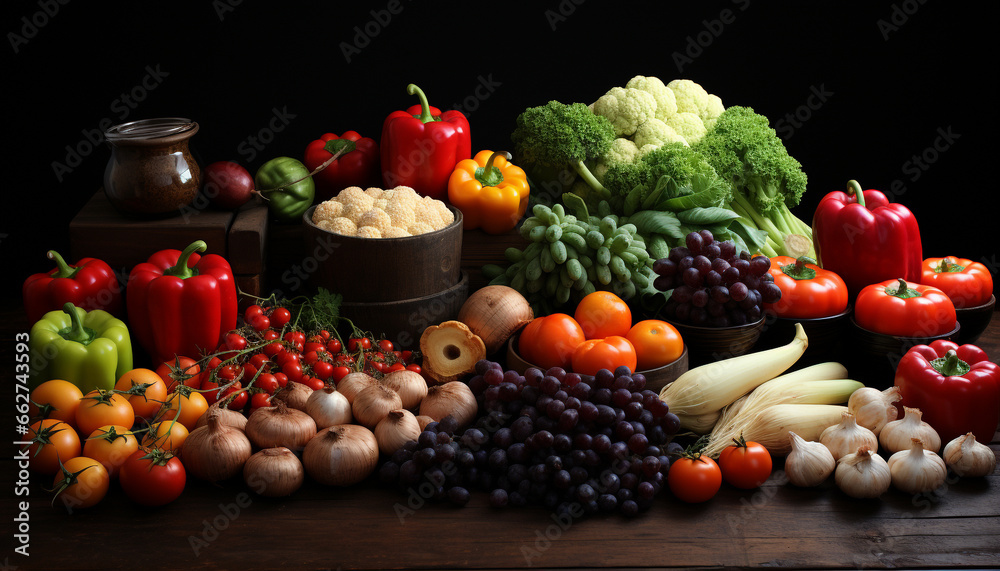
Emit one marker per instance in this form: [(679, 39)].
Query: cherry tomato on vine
[(322, 370), (260, 322), (312, 382), (152, 477), (310, 357), (359, 343), (334, 346), (324, 334), (250, 312), (395, 367), (292, 369), (296, 338), (414, 367), (181, 370), (339, 373), (235, 341), (240, 400), (260, 361), (273, 348), (267, 383), (314, 347), (259, 400), (745, 465), (694, 479), (385, 346), (270, 335), (281, 378), (280, 317), (81, 483), (249, 371)]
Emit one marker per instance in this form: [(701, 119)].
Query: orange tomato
[(603, 314), (99, 408), (609, 353), (167, 435), (52, 441), (656, 343), (185, 405), (82, 483), (182, 370), (146, 391), (56, 399), (550, 341), (111, 445)]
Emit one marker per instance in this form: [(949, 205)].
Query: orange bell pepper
[(967, 283), (491, 192)]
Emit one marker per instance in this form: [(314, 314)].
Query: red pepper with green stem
[(865, 239), (89, 284), (421, 146), (358, 167), (181, 303), (956, 388)]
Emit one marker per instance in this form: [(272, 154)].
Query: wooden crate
[(101, 231)]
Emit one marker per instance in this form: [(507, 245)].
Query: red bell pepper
[(359, 167), (421, 146), (90, 284), (181, 303), (864, 239), (956, 388)]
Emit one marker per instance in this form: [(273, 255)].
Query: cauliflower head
[(666, 101), (714, 108), (687, 125), (691, 97), (622, 151), (655, 132), (626, 108)]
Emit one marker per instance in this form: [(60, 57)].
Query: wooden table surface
[(373, 526)]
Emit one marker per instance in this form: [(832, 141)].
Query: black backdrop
[(897, 94)]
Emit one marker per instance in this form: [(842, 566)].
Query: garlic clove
[(863, 474), (809, 463), (847, 436), (873, 408), (969, 458)]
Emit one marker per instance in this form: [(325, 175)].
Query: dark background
[(895, 76)]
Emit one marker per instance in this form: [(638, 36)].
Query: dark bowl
[(655, 378), (872, 357), (826, 335), (706, 344), (974, 320)]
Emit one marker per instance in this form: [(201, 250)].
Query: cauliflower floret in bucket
[(327, 210), (374, 192), (340, 225), (418, 228), (396, 232), (369, 232), (355, 202), (400, 212), (375, 218)]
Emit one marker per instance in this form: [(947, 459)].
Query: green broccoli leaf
[(706, 216)]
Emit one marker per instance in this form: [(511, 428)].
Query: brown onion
[(215, 452), (454, 398), (374, 403), (494, 313), (395, 430), (352, 383), (228, 417), (294, 395), (274, 472), (423, 420), (341, 455), (280, 425), (410, 386)]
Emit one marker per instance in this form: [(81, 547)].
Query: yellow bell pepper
[(491, 192)]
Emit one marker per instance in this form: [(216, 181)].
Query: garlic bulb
[(969, 458), (809, 463), (873, 408), (847, 437), (863, 474), (896, 435), (395, 430), (917, 470)]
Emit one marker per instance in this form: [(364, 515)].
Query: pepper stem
[(949, 265), (490, 175), (799, 270), (76, 331), (181, 269), (854, 188), (903, 291), (425, 108), (950, 365), (63, 270)]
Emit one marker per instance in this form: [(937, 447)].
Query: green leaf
[(334, 145), (706, 216), (702, 192), (649, 222), (576, 204), (632, 200), (753, 237)]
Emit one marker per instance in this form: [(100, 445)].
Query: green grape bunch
[(568, 258)]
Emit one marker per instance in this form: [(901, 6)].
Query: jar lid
[(150, 129)]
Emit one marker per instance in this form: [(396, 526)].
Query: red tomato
[(334, 346), (152, 477), (292, 369), (260, 322), (310, 357), (235, 341), (549, 341), (603, 314), (322, 370), (745, 465), (694, 480), (359, 343), (280, 317), (297, 339), (396, 367), (609, 353), (240, 400), (385, 346), (267, 383), (339, 373), (414, 367), (259, 400), (251, 312), (273, 349), (281, 378), (312, 382), (656, 343), (270, 335), (260, 361), (181, 370)]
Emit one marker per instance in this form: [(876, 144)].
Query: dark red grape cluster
[(714, 284), (572, 443)]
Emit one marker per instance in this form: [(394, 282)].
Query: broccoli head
[(747, 152), (557, 137), (675, 160)]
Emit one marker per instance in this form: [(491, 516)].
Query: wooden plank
[(102, 232), (245, 247)]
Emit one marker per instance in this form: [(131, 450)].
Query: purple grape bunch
[(571, 443), (714, 283)]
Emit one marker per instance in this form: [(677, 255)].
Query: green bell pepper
[(288, 186), (89, 349)]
